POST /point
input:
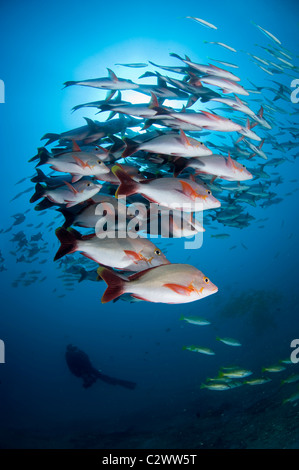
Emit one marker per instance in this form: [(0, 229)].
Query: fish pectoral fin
[(135, 257), (76, 147), (187, 189), (74, 190), (135, 296), (71, 204), (179, 289)]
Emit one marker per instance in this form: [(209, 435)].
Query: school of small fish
[(108, 176)]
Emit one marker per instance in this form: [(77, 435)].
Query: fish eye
[(100, 162), (206, 280), (209, 192), (157, 252), (88, 184)]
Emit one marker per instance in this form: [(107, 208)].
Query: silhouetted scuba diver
[(79, 364)]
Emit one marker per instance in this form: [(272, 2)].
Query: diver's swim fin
[(114, 381)]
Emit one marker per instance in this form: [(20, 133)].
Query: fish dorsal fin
[(184, 139), (247, 123), (161, 82), (238, 100), (138, 275), (76, 147), (154, 101), (93, 126), (71, 187), (187, 58), (261, 112), (110, 94), (112, 75), (215, 67), (261, 144), (148, 74)]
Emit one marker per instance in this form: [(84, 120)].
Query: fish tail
[(179, 165), (172, 54), (43, 156), (127, 185), (39, 177), (43, 205), (37, 156), (51, 138), (39, 193), (70, 83), (115, 284), (106, 107), (69, 217), (68, 240), (83, 274), (131, 147)]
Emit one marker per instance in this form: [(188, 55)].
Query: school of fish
[(202, 157)]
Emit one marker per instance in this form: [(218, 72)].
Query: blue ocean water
[(255, 268)]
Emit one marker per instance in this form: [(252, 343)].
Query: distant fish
[(134, 65), (220, 235), (257, 381), (218, 386), (274, 369), (291, 379), (222, 45), (203, 22), (227, 64), (195, 320), (269, 35), (234, 373), (199, 349), (292, 398), (229, 341)]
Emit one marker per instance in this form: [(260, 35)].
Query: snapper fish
[(129, 254), (260, 119), (208, 69), (77, 163), (203, 120), (169, 144), (112, 82), (216, 165), (256, 150), (69, 194), (172, 284), (236, 104), (174, 193), (164, 222), (227, 86)]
